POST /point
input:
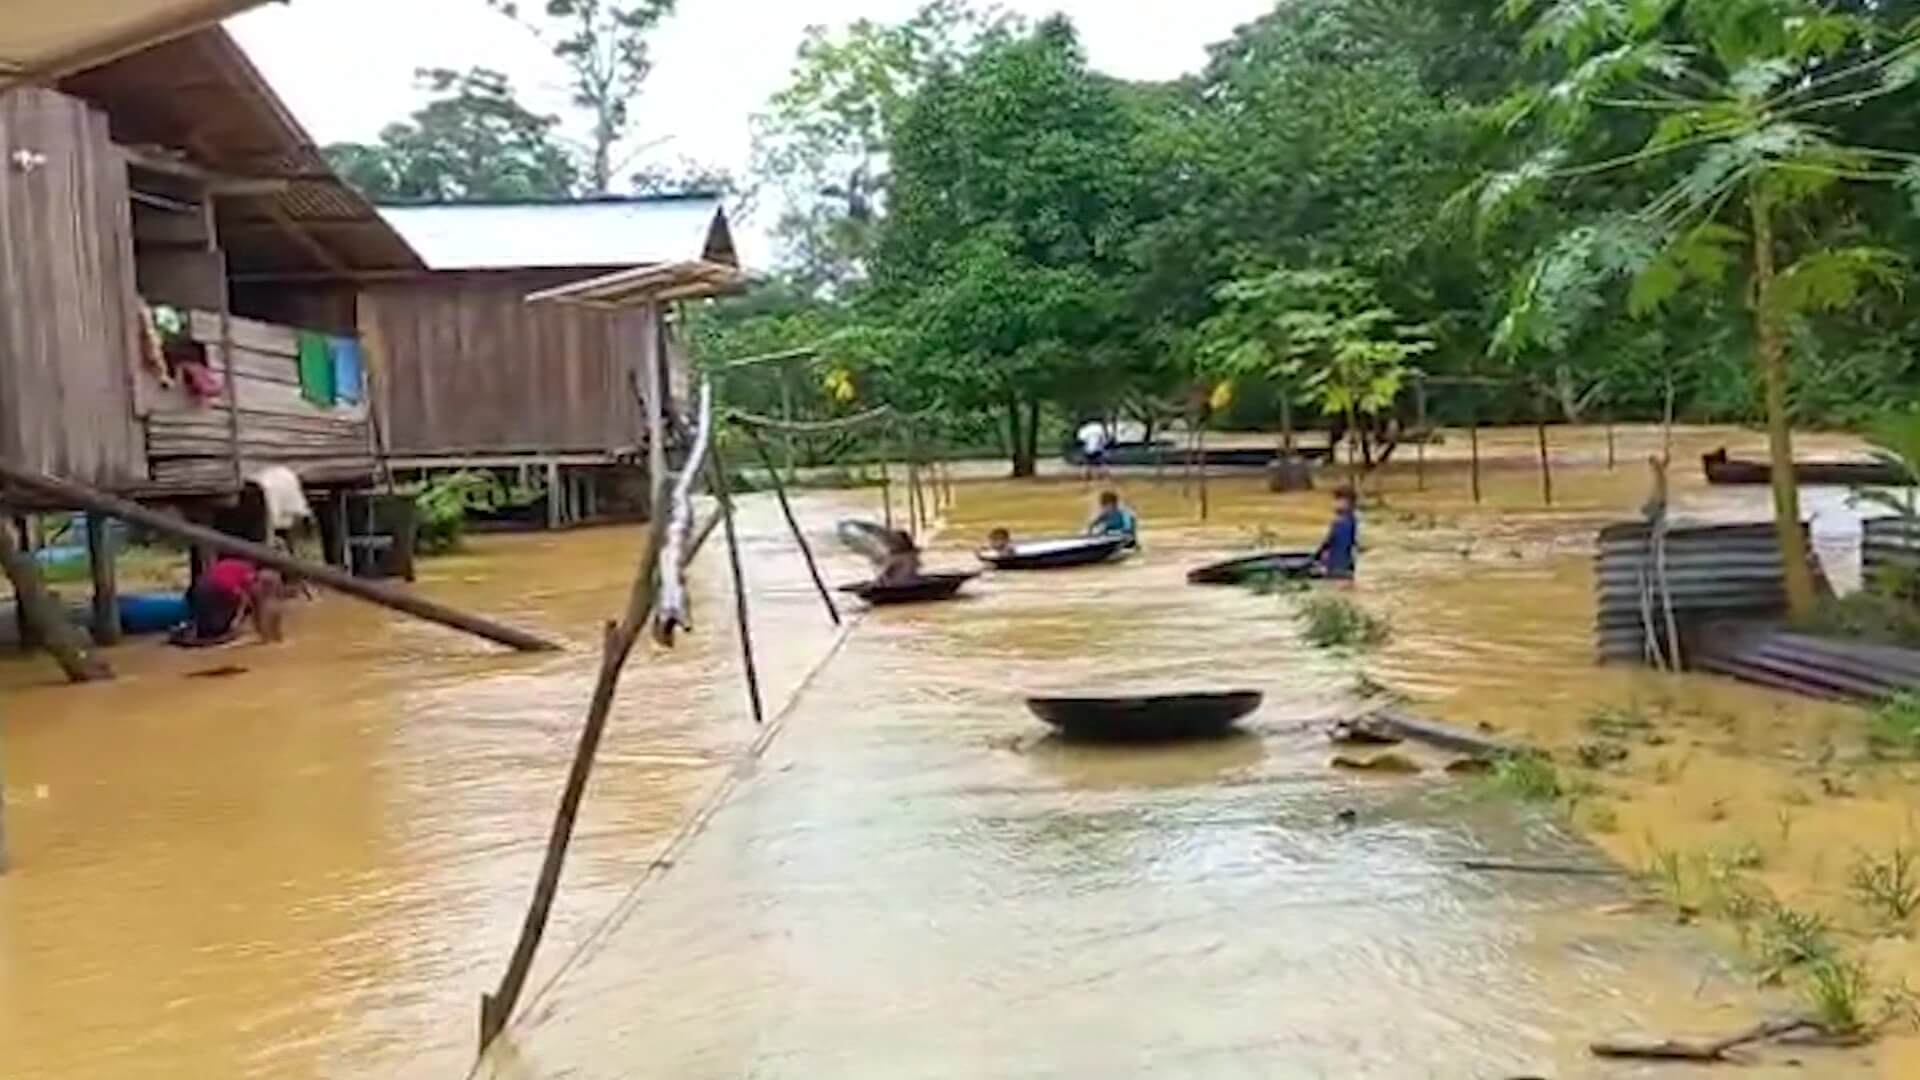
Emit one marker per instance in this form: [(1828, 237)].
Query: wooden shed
[(472, 376)]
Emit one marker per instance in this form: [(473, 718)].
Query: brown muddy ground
[(315, 867)]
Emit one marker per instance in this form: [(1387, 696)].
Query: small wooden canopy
[(45, 39), (648, 285)]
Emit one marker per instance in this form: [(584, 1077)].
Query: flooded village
[(1112, 595)]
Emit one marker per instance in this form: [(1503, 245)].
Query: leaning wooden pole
[(497, 1008), (793, 524), (40, 610), (740, 613), (68, 493)]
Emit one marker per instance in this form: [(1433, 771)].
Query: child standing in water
[(1338, 554)]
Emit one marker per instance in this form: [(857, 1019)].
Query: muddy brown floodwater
[(314, 868)]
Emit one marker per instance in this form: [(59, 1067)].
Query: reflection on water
[(314, 869)]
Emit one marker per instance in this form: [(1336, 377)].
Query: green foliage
[(1325, 331), (1524, 777), (1788, 939), (603, 45), (446, 500), (823, 140), (1889, 885), (472, 140), (1838, 992), (1335, 622), (1893, 728)]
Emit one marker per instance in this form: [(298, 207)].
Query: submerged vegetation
[(1330, 621), (1525, 777), (446, 502)]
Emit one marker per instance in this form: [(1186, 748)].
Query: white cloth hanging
[(286, 499)]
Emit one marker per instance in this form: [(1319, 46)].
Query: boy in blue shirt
[(1338, 551), (1113, 519)]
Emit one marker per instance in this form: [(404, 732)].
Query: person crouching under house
[(228, 592)]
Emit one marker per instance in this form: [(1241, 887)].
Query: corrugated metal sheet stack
[(1715, 573), (1890, 546)]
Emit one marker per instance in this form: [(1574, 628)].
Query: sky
[(346, 67)]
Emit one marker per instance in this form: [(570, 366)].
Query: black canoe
[(1721, 469), (1056, 554), (925, 589), (1139, 719), (1283, 564)]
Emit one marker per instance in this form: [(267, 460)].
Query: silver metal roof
[(601, 233)]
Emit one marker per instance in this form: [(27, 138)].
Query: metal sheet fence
[(1710, 574)]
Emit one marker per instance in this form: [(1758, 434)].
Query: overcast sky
[(346, 66)]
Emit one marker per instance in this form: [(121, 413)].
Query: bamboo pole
[(1473, 434), (1202, 442), (40, 610), (1420, 430), (68, 493), (717, 464), (1546, 462), (886, 490), (793, 523)]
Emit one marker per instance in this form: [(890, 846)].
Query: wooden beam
[(68, 493), (305, 240)]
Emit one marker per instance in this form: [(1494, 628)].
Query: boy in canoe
[(902, 565), (1337, 555), (1113, 519)]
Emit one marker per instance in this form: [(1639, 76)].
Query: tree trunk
[(1023, 442), (1771, 348), (40, 609)]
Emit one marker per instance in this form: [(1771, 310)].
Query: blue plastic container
[(151, 613)]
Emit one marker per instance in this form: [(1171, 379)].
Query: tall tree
[(472, 140), (1742, 105), (604, 45), (824, 138), (1013, 196)]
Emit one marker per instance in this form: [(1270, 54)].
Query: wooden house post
[(102, 559)]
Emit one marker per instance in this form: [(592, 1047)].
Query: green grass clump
[(1525, 777), (1893, 729), (1889, 885), (1837, 992), (1335, 622), (1789, 939)]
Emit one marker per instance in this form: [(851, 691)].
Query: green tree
[(603, 44), (1324, 335), (1004, 252), (472, 140), (1743, 102), (824, 138)]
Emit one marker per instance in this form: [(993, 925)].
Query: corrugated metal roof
[(575, 235), (46, 38)]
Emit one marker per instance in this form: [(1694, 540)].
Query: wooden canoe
[(1721, 469), (1146, 719), (1279, 564), (1058, 554), (925, 589)]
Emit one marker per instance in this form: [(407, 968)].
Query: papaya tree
[(1325, 337), (1736, 112)]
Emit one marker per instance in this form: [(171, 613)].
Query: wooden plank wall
[(464, 366), (69, 331), (190, 445)]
